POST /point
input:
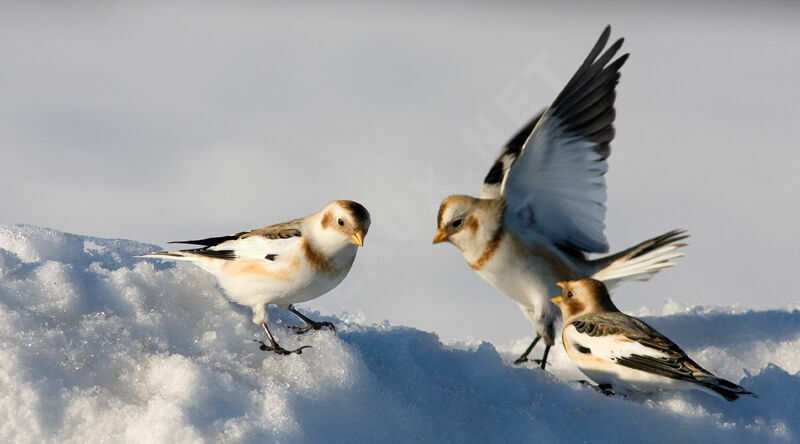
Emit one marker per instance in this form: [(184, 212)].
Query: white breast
[(528, 275), (290, 279)]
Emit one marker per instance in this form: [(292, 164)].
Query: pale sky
[(157, 123)]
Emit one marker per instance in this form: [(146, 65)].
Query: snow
[(96, 345)]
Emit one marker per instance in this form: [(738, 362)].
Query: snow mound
[(98, 346)]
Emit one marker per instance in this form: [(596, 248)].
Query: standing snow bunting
[(624, 355), (542, 205), (283, 264)]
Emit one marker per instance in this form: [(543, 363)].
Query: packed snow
[(96, 345)]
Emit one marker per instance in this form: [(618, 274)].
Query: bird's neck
[(592, 308), (486, 239), (325, 244)]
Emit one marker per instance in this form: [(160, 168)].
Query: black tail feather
[(728, 390), (657, 242)]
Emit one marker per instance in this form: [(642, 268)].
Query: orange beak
[(557, 300), (440, 236), (358, 238)]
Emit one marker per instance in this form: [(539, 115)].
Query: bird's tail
[(642, 261), (185, 255), (726, 389)]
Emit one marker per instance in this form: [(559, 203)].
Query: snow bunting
[(541, 208), (283, 264), (623, 354)]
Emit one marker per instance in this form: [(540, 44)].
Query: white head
[(341, 223), (583, 297), (467, 222)]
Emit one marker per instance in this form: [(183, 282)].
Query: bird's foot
[(540, 362), (280, 350), (524, 359), (605, 389), (602, 388), (313, 325)]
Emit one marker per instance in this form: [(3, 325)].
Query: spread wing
[(493, 181), (630, 342), (556, 187), (262, 243)]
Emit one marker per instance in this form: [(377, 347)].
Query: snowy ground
[(98, 346)]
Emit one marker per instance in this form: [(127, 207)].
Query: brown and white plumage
[(282, 264), (623, 354), (542, 204)]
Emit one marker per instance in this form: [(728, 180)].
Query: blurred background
[(160, 122)]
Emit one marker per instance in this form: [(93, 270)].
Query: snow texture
[(96, 346)]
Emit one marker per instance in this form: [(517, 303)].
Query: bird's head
[(458, 221), (344, 222), (584, 296)]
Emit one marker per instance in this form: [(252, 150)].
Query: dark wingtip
[(728, 390), (606, 32), (616, 45), (211, 241)]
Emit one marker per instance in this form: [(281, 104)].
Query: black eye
[(340, 222), (457, 223), (569, 293)]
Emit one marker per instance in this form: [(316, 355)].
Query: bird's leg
[(274, 347), (309, 323), (524, 356), (543, 361)]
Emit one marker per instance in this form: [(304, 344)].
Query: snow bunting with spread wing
[(623, 354), (283, 264), (541, 208)]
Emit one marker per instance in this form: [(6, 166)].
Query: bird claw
[(606, 389), (602, 388), (280, 350), (313, 326), (524, 359), (300, 330)]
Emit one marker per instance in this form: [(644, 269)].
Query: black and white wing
[(266, 243), (627, 341), (556, 187), (493, 182)]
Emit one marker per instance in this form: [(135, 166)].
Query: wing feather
[(555, 185), (629, 342), (266, 243), (283, 230), (508, 154), (632, 343)]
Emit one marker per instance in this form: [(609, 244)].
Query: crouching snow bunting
[(623, 354), (283, 264), (541, 208)]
